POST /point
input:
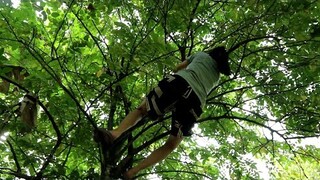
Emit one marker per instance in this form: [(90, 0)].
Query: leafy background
[(91, 62)]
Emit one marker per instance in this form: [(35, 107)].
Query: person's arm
[(180, 66)]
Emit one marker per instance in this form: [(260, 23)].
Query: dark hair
[(220, 55)]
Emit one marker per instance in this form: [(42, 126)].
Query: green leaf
[(55, 14), (1, 51), (5, 70)]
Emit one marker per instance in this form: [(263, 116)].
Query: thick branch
[(14, 157), (16, 174)]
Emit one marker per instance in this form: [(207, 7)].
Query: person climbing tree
[(184, 94)]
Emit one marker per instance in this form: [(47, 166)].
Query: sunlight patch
[(15, 3), (4, 137)]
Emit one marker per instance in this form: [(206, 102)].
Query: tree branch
[(14, 157)]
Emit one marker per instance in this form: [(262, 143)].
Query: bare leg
[(156, 156), (130, 120)]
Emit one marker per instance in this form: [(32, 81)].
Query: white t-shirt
[(202, 74)]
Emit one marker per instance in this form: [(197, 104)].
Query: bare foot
[(103, 136), (130, 174), (127, 176)]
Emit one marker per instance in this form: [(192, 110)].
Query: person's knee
[(172, 143), (143, 109)]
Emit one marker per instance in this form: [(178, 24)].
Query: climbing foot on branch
[(104, 137)]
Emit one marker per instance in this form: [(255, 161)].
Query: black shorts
[(173, 93)]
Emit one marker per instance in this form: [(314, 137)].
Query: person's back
[(202, 74)]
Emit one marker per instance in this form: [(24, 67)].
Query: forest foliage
[(91, 62)]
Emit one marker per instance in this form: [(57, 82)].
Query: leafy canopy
[(91, 62)]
